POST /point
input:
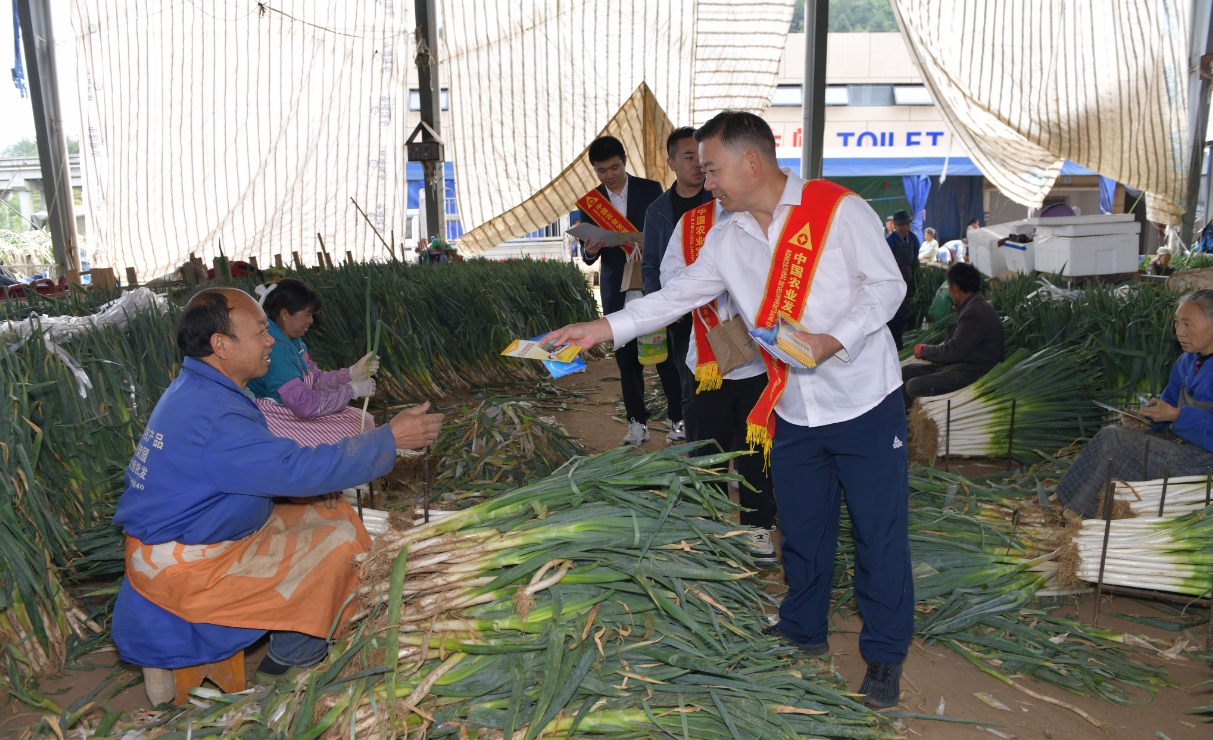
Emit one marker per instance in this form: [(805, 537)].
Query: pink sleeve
[(329, 380), (308, 403)]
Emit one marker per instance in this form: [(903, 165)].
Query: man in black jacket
[(628, 198), (975, 343), (905, 246), (663, 215)]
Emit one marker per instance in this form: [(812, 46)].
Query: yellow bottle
[(652, 348)]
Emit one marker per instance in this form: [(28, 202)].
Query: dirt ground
[(931, 674)]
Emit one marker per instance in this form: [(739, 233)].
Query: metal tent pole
[(39, 41), (1199, 89), (813, 94), (426, 39)]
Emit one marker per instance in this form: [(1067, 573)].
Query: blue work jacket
[(1194, 425), (207, 469)]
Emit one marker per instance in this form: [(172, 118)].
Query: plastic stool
[(228, 674)]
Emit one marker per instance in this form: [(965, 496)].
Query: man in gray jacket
[(663, 215), (975, 343)]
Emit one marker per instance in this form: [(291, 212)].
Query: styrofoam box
[(1087, 255), (1072, 226), (1020, 257), (983, 247)]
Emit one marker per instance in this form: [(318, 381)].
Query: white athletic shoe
[(678, 432), (760, 545), (638, 434)]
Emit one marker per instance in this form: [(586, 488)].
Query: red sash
[(696, 224), (793, 266), (598, 207)]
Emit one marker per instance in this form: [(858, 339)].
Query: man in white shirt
[(840, 425)]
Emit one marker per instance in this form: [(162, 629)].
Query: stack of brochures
[(781, 341)]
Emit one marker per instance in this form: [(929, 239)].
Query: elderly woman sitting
[(298, 399), (1182, 428)]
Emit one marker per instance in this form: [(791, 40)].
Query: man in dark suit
[(623, 209)]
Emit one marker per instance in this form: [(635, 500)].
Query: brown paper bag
[(633, 279), (732, 344)]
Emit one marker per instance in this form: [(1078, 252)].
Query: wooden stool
[(228, 674)]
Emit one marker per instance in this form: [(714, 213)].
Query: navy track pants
[(812, 467)]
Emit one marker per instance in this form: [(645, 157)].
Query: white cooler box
[(1087, 245), (1020, 257), (984, 251)]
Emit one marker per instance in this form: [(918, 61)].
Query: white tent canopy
[(534, 81), (243, 123), (252, 125), (1026, 84)]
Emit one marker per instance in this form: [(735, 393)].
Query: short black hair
[(738, 127), (205, 314), (677, 135), (975, 221), (605, 147), (965, 276), (291, 294)]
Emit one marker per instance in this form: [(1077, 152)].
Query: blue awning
[(898, 166)]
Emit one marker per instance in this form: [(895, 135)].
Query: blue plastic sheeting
[(952, 204), (917, 188), (1107, 193), (894, 166)]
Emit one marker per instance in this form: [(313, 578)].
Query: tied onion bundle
[(1185, 494), (1051, 389), (498, 445), (610, 600), (984, 554), (1170, 553)]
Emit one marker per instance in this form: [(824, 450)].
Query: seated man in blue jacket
[(1179, 441), (216, 552)]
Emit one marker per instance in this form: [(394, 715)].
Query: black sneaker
[(813, 649), (881, 687)]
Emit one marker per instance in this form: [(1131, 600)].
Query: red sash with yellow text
[(598, 207), (793, 265), (695, 226)]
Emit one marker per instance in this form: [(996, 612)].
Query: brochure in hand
[(781, 341), (559, 361), (590, 232)]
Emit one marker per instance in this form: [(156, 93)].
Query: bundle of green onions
[(984, 555), (1184, 495), (612, 599), (1171, 553), (1052, 393), (499, 444)]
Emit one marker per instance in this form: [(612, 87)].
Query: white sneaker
[(760, 545), (678, 432), (638, 434)]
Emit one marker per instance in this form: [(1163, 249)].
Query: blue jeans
[(296, 649), (811, 467)]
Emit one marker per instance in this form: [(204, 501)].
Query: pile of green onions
[(1185, 494), (1052, 393), (1171, 553), (612, 599)]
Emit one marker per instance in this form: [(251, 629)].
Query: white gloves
[(363, 387), (365, 368)]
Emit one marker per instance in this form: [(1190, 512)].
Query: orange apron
[(294, 574)]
